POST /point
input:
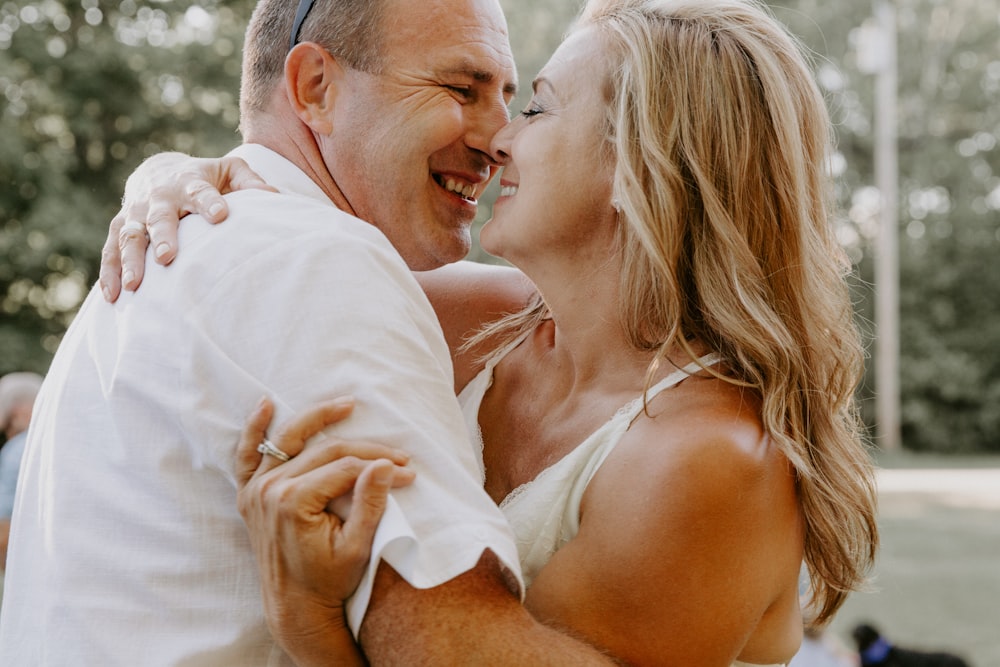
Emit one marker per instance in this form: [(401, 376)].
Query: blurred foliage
[(88, 89)]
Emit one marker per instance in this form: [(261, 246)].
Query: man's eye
[(461, 91)]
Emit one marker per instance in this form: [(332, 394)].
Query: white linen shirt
[(127, 547)]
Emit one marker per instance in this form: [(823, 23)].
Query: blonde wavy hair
[(721, 141)]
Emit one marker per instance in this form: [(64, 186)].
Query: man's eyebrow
[(481, 76)]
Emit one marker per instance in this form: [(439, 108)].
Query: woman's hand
[(163, 189), (309, 559)]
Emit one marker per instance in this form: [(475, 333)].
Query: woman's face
[(556, 183)]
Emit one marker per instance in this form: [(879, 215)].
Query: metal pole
[(887, 257)]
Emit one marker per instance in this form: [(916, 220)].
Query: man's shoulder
[(264, 225)]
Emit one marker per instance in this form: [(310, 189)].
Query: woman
[(670, 425)]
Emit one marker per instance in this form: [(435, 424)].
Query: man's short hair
[(349, 29)]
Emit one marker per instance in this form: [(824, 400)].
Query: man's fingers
[(248, 459), (110, 276)]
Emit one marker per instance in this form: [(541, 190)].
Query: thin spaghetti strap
[(702, 362), (630, 411)]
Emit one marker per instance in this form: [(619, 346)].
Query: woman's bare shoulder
[(695, 506), (705, 417)]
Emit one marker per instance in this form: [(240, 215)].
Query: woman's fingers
[(248, 459), (371, 494), (238, 175), (320, 451), (111, 261), (293, 434), (132, 242), (158, 194), (200, 191), (162, 220), (292, 437), (300, 546)]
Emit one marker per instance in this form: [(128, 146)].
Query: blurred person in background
[(17, 399)]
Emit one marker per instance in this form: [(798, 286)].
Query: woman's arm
[(690, 541), (468, 295)]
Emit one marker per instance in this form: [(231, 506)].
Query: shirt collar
[(279, 172)]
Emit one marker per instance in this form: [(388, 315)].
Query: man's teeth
[(467, 191), (508, 191)]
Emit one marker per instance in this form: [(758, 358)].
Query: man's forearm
[(472, 619)]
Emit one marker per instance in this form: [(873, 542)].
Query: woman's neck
[(585, 338)]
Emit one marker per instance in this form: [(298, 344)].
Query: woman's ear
[(312, 77)]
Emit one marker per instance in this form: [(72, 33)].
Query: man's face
[(410, 146)]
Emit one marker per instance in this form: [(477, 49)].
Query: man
[(132, 551), (17, 397)]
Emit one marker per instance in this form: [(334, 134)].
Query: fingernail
[(107, 293), (382, 476), (215, 209), (162, 249), (127, 278)]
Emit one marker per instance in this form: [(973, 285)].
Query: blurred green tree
[(89, 89)]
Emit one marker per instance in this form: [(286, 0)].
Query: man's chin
[(450, 250)]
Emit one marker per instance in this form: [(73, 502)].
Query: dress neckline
[(620, 420)]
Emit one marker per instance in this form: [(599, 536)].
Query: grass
[(937, 579)]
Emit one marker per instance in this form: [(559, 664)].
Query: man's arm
[(472, 619)]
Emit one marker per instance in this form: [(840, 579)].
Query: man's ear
[(312, 78)]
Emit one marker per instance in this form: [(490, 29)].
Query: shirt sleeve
[(337, 312)]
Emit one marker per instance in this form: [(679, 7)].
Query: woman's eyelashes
[(532, 110)]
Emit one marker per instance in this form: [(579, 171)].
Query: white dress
[(545, 512)]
